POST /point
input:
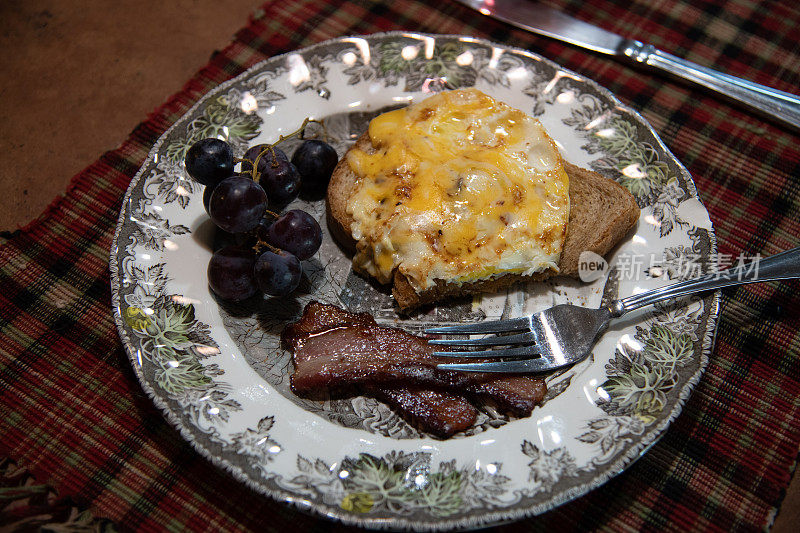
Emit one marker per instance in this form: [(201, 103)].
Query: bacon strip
[(439, 413), (333, 348), (436, 412), (318, 316)]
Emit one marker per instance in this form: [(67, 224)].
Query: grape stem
[(306, 122), (259, 245), (299, 132)]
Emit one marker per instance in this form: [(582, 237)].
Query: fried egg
[(459, 187)]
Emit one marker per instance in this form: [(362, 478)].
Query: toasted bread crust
[(602, 212), (340, 189)]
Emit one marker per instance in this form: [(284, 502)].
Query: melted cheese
[(460, 188)]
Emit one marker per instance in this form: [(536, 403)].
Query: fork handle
[(785, 265)]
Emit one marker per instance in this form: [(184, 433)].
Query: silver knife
[(552, 23)]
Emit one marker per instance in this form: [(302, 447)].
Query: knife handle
[(781, 105)]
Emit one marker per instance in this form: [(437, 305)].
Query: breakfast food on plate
[(333, 349), (436, 412), (268, 246), (439, 413), (461, 193), (457, 194), (356, 350)]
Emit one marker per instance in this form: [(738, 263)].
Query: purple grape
[(279, 178), (230, 273), (296, 232), (277, 273), (261, 231), (209, 161), (281, 182), (222, 239), (237, 204), (315, 160), (207, 196), (271, 157)]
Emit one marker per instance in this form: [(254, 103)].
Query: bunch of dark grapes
[(265, 248)]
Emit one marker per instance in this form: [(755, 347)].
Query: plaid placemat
[(75, 417)]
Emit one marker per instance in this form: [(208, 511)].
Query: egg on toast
[(461, 193)]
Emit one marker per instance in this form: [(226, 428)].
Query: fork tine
[(539, 364), (518, 351), (492, 326), (520, 338)]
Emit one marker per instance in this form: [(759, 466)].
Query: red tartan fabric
[(75, 416)]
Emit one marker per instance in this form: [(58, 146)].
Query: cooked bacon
[(439, 413), (436, 412), (318, 316), (333, 348)]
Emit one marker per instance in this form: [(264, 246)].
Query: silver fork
[(564, 334)]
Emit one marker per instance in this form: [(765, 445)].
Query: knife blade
[(552, 23), (549, 22)]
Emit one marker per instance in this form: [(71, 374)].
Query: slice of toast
[(601, 214)]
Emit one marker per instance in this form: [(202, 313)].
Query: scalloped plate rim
[(649, 439)]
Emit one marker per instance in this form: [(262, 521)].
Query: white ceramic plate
[(220, 376)]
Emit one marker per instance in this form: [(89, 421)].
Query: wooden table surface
[(78, 78)]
